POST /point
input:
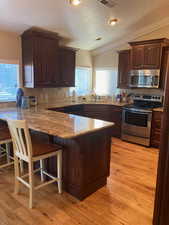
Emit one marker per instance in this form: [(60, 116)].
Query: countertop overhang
[(54, 123)]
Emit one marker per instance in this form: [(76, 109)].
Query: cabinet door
[(40, 66), (67, 67), (152, 56), (108, 113), (123, 68), (137, 57), (155, 129), (46, 62), (116, 117), (27, 63), (52, 57)]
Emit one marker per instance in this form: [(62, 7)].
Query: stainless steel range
[(136, 118)]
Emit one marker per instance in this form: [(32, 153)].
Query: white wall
[(83, 58), (9, 47)]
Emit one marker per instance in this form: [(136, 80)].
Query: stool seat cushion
[(41, 146), (4, 134)]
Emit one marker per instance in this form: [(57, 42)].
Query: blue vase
[(19, 96)]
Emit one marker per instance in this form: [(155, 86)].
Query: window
[(83, 81), (8, 81), (106, 82)]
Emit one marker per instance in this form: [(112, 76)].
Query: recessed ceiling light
[(98, 39), (112, 22), (75, 2)]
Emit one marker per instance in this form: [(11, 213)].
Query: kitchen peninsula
[(86, 142)]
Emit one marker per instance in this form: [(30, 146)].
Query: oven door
[(137, 123)]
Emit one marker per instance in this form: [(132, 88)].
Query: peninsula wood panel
[(86, 163)]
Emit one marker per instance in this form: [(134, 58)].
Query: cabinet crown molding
[(152, 41), (35, 31)]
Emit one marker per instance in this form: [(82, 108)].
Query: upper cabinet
[(44, 64), (67, 57), (137, 57), (152, 56), (147, 54), (123, 68)]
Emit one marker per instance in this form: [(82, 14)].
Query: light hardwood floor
[(126, 200)]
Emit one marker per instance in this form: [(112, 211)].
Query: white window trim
[(99, 69), (91, 73), (9, 61)]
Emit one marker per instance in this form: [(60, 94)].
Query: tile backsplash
[(52, 95), (45, 95)]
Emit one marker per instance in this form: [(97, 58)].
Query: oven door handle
[(138, 112)]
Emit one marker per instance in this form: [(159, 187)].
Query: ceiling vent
[(108, 3)]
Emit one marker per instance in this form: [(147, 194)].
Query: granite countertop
[(54, 123)]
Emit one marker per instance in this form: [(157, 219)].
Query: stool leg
[(42, 169), (16, 165), (8, 152), (21, 166), (59, 171), (31, 183)]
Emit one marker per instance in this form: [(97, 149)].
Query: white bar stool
[(5, 139), (31, 150)]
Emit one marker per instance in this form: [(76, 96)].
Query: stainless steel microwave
[(144, 78)]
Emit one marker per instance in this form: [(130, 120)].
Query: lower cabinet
[(109, 113), (155, 129), (105, 112)]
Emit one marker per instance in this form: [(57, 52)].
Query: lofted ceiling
[(81, 25)]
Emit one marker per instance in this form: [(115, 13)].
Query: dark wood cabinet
[(137, 57), (147, 54), (164, 68), (104, 112), (45, 63), (116, 117), (40, 59), (152, 56), (156, 129), (123, 68), (67, 66)]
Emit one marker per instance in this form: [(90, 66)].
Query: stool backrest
[(21, 138)]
